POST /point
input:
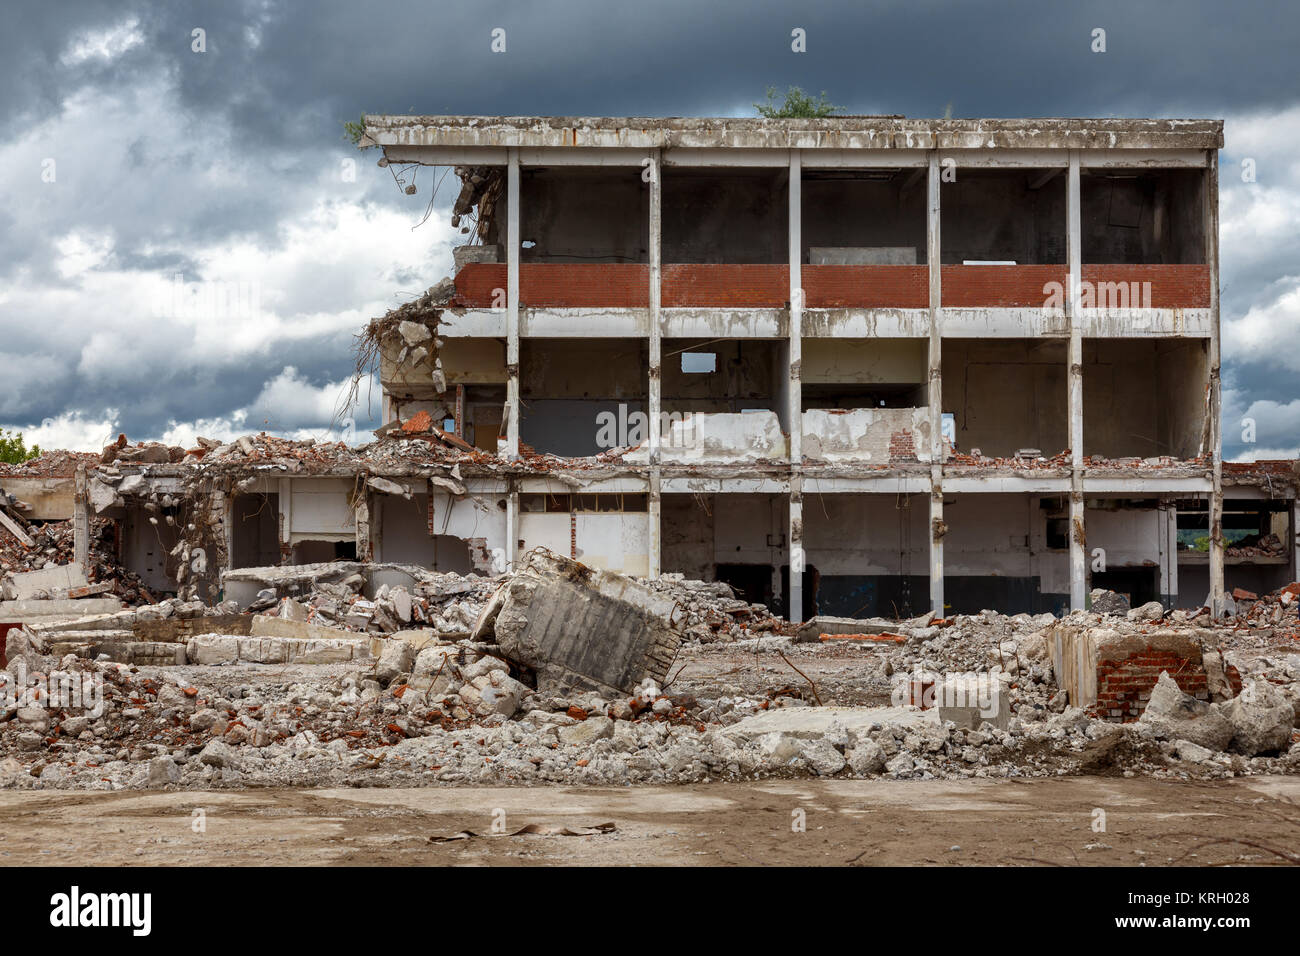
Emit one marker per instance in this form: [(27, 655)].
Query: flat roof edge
[(865, 132)]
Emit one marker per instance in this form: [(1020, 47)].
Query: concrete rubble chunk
[(495, 692), (1108, 602), (1180, 716), (397, 657), (583, 628), (1261, 718), (50, 582)]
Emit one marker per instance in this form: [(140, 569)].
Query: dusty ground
[(847, 823)]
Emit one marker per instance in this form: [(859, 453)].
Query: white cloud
[(104, 45), (1265, 333), (287, 406), (293, 254), (72, 431)]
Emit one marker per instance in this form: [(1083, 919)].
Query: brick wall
[(1174, 286), (901, 446), (476, 283), (1124, 685), (559, 284), (626, 285), (725, 285), (998, 286), (889, 287)]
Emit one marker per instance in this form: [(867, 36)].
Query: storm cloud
[(188, 244)]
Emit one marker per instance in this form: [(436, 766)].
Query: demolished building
[(839, 364)]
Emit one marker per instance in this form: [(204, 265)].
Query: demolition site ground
[(1047, 822)]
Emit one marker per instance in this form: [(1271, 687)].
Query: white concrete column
[(512, 301), (654, 518), (1074, 263), (1211, 194), (361, 515), (1169, 547), (284, 501), (654, 536), (653, 402), (512, 525), (81, 519), (794, 602), (795, 406), (935, 378)]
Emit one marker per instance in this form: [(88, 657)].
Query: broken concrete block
[(1180, 716), (1216, 680), (812, 629), (582, 628), (1261, 717), (969, 700), (414, 333), (1101, 601), (162, 771), (397, 657), (386, 487), (493, 693), (586, 732), (228, 648), (264, 625), (45, 583), (220, 754), (866, 757), (1151, 611)]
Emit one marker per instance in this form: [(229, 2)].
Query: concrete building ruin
[(855, 366)]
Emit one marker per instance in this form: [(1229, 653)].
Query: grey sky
[(225, 166)]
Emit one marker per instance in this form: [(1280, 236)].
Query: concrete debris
[(1102, 601), (579, 627), (358, 674)]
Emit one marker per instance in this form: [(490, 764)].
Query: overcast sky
[(132, 164)]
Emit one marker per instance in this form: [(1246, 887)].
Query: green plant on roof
[(353, 130), (796, 103)]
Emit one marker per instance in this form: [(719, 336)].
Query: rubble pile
[(709, 611), (52, 545), (560, 673)]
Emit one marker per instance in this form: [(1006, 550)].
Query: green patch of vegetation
[(353, 130), (14, 450), (796, 103)]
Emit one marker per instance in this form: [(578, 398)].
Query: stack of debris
[(357, 674)]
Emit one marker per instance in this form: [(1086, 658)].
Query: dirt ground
[(951, 823)]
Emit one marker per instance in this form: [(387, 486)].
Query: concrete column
[(1169, 549), (654, 527), (512, 302), (284, 499), (935, 378), (794, 602), (512, 525), (1074, 260), (795, 407), (653, 401), (1214, 384), (81, 519), (1295, 540), (361, 514)]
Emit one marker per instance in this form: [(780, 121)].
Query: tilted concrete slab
[(579, 627)]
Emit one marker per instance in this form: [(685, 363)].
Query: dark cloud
[(175, 159)]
